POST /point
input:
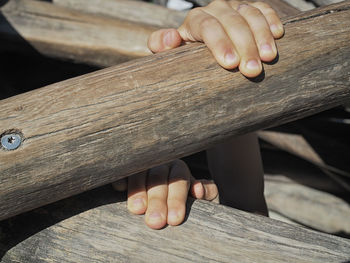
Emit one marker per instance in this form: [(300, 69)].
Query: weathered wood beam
[(60, 32), (282, 8), (94, 129), (315, 209), (297, 145), (99, 40), (211, 233), (130, 10)]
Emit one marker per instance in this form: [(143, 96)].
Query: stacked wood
[(297, 145), (211, 233), (55, 31), (301, 4), (97, 128), (304, 205), (282, 8), (130, 10), (65, 33)]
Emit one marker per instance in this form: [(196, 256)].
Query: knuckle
[(265, 7), (158, 171), (207, 22), (195, 12), (178, 162), (262, 5), (253, 11), (216, 3)]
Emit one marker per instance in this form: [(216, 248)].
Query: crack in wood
[(327, 12)]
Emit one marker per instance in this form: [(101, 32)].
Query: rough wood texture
[(64, 33), (33, 26), (307, 206), (301, 4), (282, 8), (134, 11), (211, 233), (91, 130), (326, 2), (297, 145)]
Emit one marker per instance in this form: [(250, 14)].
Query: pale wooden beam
[(94, 129), (98, 228), (130, 10), (97, 39), (64, 33)]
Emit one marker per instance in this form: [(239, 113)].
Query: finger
[(272, 18), (178, 186), (120, 185), (261, 30), (210, 190), (137, 196), (240, 34), (201, 26), (196, 189), (164, 39), (157, 194), (204, 189)]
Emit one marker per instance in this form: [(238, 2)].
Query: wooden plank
[(211, 233), (319, 210), (94, 129), (55, 31), (134, 11)]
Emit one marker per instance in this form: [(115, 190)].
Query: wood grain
[(99, 40), (130, 10), (326, 2), (211, 233), (60, 32), (316, 209), (297, 145), (97, 128), (283, 9)]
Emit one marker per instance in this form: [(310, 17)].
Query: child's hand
[(238, 34), (161, 193)]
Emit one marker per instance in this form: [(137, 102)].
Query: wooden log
[(55, 31), (130, 10), (304, 205), (94, 129), (297, 145), (326, 2), (211, 233), (298, 171), (60, 32), (283, 9)]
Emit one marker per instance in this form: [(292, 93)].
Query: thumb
[(204, 189), (164, 39)]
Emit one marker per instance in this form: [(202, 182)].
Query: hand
[(239, 34), (161, 193)]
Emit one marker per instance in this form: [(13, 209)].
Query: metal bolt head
[(11, 141)]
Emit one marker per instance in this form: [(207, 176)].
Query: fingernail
[(252, 64), (168, 39), (275, 28), (172, 214), (240, 6), (230, 58), (138, 203), (266, 48), (154, 216)]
